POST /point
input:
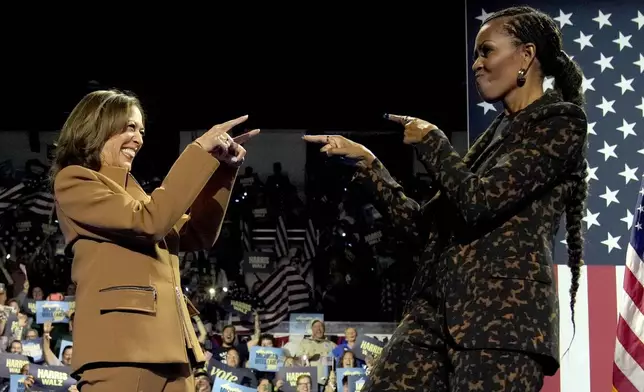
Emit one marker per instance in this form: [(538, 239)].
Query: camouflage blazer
[(487, 235)]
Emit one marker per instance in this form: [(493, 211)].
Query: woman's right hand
[(216, 139), (340, 145)]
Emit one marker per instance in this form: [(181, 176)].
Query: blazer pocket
[(135, 299), (524, 268)]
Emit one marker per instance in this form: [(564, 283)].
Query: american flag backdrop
[(607, 40), (628, 368)]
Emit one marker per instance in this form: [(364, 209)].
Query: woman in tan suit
[(132, 329)]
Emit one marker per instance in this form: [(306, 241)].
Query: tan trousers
[(128, 378)]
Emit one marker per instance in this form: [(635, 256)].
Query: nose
[(138, 138), (478, 64)]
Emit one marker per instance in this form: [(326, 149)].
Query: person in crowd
[(346, 360), (484, 307), (315, 347), (229, 338), (350, 337), (304, 383), (202, 381), (32, 334), (37, 293), (266, 385), (15, 347), (266, 340), (233, 359), (50, 357), (125, 242)]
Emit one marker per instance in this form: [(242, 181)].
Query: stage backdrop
[(607, 39)]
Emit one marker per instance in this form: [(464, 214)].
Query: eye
[(483, 51)]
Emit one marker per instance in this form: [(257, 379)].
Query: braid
[(574, 213), (528, 25)]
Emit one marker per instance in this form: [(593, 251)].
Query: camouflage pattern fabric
[(487, 235)]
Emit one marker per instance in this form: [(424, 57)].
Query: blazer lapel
[(125, 180), (479, 145), (487, 146)]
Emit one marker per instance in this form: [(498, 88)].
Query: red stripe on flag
[(633, 287), (553, 383), (602, 300), (631, 342), (620, 382)]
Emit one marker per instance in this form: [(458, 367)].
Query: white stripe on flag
[(619, 283), (628, 366), (575, 366), (284, 292)]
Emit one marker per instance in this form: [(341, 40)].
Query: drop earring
[(521, 77)]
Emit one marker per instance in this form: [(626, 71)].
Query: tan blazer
[(130, 305)]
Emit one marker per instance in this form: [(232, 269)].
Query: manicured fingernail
[(234, 159)]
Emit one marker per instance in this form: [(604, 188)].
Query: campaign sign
[(366, 346), (290, 374), (17, 383), (266, 359), (217, 369), (222, 385), (327, 365), (30, 306), (357, 383), (300, 323), (51, 378), (240, 308), (257, 262), (13, 329), (52, 311), (33, 348), (11, 364), (340, 373)]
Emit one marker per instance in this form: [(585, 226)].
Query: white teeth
[(129, 152)]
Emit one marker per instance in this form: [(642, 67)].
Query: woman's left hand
[(415, 128), (234, 155)]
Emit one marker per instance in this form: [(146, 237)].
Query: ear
[(528, 52)]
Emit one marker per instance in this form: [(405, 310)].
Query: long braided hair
[(528, 25)]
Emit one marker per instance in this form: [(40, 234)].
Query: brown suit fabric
[(130, 308)]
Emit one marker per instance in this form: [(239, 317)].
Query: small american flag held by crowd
[(608, 43)]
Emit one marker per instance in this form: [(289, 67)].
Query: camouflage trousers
[(419, 358)]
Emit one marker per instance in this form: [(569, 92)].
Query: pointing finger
[(316, 138), (228, 125), (241, 139), (404, 120)]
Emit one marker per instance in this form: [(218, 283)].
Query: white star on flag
[(639, 20), (604, 62), (484, 15), (486, 107), (584, 40), (563, 19), (623, 41), (602, 19)]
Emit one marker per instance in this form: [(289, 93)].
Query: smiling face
[(120, 149), (498, 60)]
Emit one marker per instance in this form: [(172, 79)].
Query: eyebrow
[(478, 47)]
